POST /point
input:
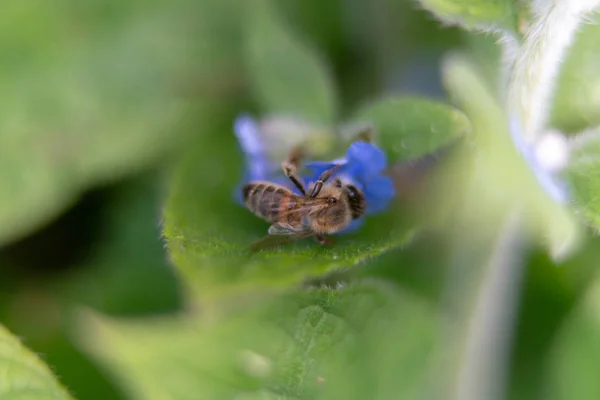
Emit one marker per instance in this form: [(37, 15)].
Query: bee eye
[(352, 192), (331, 200)]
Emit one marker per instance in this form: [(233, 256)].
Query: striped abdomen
[(272, 202)]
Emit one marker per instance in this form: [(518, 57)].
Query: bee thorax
[(332, 220)]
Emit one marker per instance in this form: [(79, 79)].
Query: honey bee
[(327, 207)]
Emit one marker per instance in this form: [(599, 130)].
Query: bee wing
[(281, 228), (282, 234), (308, 207), (313, 206)]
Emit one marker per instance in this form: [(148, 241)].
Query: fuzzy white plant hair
[(537, 61), (511, 45)]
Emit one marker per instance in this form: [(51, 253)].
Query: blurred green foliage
[(27, 375), (279, 64), (583, 173), (482, 15), (308, 344), (577, 352), (578, 95), (500, 180), (397, 120), (84, 89), (148, 290)]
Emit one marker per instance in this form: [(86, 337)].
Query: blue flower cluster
[(363, 166)]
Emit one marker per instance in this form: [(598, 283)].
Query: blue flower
[(362, 166), (552, 183), (258, 165)]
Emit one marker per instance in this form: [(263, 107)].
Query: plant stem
[(484, 366), (538, 61)]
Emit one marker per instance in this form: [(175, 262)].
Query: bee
[(327, 207)]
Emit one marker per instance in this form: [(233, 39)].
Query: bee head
[(356, 200)]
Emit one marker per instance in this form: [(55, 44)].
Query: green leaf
[(576, 354), (92, 93), (499, 179), (487, 52), (485, 15), (583, 174), (352, 343), (411, 127), (24, 376), (286, 75), (208, 234), (577, 98), (384, 357), (547, 297), (127, 272)]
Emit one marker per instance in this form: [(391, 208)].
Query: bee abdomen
[(247, 191), (263, 199), (253, 193)]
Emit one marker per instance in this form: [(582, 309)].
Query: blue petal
[(258, 165), (248, 134), (318, 167), (370, 159), (553, 185), (379, 192)]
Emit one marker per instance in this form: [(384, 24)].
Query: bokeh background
[(103, 99)]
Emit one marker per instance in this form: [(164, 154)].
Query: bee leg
[(324, 240), (365, 135), (291, 165), (295, 180), (322, 179)]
